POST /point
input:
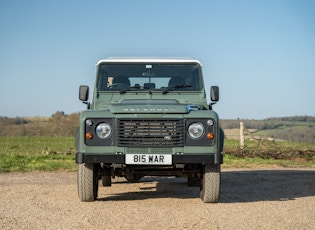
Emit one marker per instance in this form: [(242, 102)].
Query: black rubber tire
[(221, 140), (211, 182), (87, 182)]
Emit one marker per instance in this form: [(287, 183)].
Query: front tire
[(87, 182), (211, 182)]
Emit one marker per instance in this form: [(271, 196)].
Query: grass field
[(28, 153), (20, 154)]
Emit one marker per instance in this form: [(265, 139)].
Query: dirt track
[(250, 199)]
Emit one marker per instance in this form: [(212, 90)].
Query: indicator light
[(88, 135), (210, 136)]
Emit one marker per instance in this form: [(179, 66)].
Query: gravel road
[(250, 199)]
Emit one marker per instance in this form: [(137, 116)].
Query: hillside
[(297, 128)]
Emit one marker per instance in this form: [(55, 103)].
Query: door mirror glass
[(84, 93), (214, 93)]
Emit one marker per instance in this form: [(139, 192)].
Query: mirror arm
[(88, 104), (211, 104)]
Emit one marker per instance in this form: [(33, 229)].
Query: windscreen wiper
[(122, 88), (175, 87), (130, 88)]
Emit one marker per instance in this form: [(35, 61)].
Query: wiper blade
[(130, 88), (175, 87)]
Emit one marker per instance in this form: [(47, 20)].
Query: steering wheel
[(118, 85)]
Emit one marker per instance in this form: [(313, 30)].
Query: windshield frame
[(155, 76)]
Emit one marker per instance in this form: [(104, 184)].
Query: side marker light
[(88, 136)]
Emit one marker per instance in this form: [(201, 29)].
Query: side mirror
[(84, 93), (214, 93)]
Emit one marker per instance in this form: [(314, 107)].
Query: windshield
[(165, 77)]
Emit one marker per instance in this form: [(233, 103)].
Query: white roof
[(148, 60)]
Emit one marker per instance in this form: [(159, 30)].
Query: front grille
[(150, 132)]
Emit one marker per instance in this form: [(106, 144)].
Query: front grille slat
[(150, 132)]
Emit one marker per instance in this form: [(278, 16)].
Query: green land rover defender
[(149, 117)]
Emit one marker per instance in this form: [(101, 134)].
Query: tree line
[(59, 124)]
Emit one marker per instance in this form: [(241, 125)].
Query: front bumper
[(176, 159)]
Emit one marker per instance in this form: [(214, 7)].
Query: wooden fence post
[(242, 135)]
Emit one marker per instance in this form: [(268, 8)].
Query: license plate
[(149, 159)]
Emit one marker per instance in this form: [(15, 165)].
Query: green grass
[(29, 145), (24, 163), (29, 153), (20, 154)]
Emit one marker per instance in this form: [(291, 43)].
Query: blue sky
[(260, 53)]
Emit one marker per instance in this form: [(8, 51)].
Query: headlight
[(196, 130), (103, 130)]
